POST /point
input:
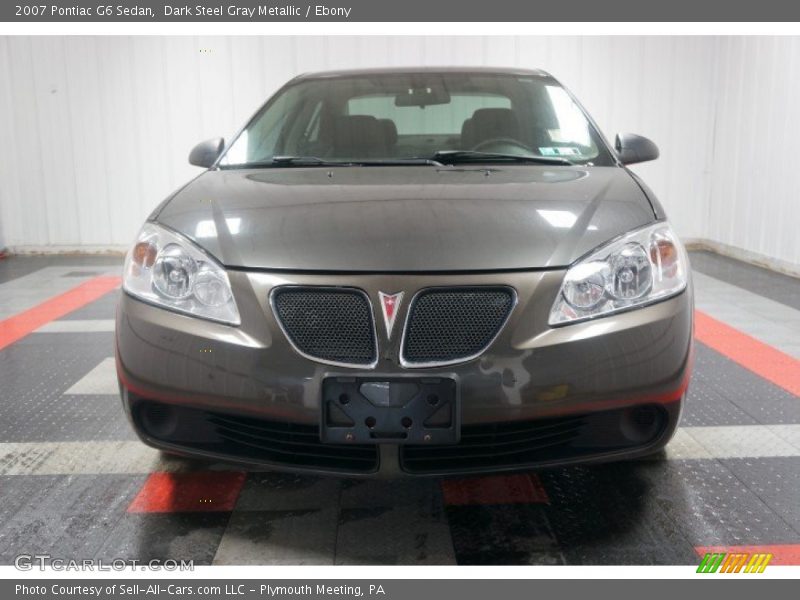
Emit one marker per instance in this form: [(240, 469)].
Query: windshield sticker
[(559, 151)]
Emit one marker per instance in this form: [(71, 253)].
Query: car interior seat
[(488, 124), (389, 132), (362, 136)]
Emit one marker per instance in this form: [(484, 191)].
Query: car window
[(572, 127), (395, 116), (432, 120)]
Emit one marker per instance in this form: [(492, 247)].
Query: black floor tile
[(165, 536), (407, 534), (37, 370), (708, 503), (705, 406), (13, 267), (718, 377), (609, 514), (104, 307), (65, 516), (775, 286), (776, 482), (509, 534)]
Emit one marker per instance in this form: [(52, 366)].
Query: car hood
[(406, 218)]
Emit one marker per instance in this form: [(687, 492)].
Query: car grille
[(330, 324), (251, 438), (448, 325), (290, 444), (517, 444), (495, 445)]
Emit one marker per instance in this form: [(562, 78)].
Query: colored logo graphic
[(734, 562), (390, 304)]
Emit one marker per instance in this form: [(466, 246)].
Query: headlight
[(639, 268), (166, 269)]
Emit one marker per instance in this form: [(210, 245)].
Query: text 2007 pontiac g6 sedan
[(409, 271)]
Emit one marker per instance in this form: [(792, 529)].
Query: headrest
[(466, 134), (359, 136), (389, 131), (489, 123)]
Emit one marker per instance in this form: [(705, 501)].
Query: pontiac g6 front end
[(409, 271)]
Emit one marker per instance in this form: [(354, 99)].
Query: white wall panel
[(96, 130), (126, 158), (9, 190), (87, 132), (21, 169), (754, 201)]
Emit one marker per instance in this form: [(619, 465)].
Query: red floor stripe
[(760, 358), (206, 491), (782, 554), (17, 327), (497, 489)]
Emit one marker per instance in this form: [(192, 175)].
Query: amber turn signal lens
[(664, 255), (144, 254)]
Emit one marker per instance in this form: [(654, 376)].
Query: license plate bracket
[(400, 410)]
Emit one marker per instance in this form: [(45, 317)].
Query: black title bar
[(153, 11)]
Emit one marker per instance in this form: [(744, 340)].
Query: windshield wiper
[(285, 161), (280, 161), (399, 161), (471, 156), (314, 161)]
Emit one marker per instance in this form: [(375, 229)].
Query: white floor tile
[(100, 380), (78, 326)]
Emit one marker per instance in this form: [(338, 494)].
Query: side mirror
[(632, 148), (206, 153)]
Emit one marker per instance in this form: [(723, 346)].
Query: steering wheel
[(498, 141)]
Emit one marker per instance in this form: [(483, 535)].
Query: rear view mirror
[(422, 97), (632, 148), (206, 153)]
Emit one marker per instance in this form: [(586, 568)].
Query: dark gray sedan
[(409, 271)]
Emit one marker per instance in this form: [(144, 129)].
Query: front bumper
[(538, 396)]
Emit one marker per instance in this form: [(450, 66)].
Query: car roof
[(422, 70)]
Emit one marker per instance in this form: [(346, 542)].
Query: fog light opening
[(159, 420), (645, 416), (641, 424)]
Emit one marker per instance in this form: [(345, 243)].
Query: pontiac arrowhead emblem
[(390, 305)]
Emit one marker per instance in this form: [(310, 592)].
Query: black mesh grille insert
[(330, 324), (451, 324)]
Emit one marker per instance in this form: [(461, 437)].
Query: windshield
[(391, 118)]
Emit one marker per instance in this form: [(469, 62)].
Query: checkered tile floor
[(75, 483)]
